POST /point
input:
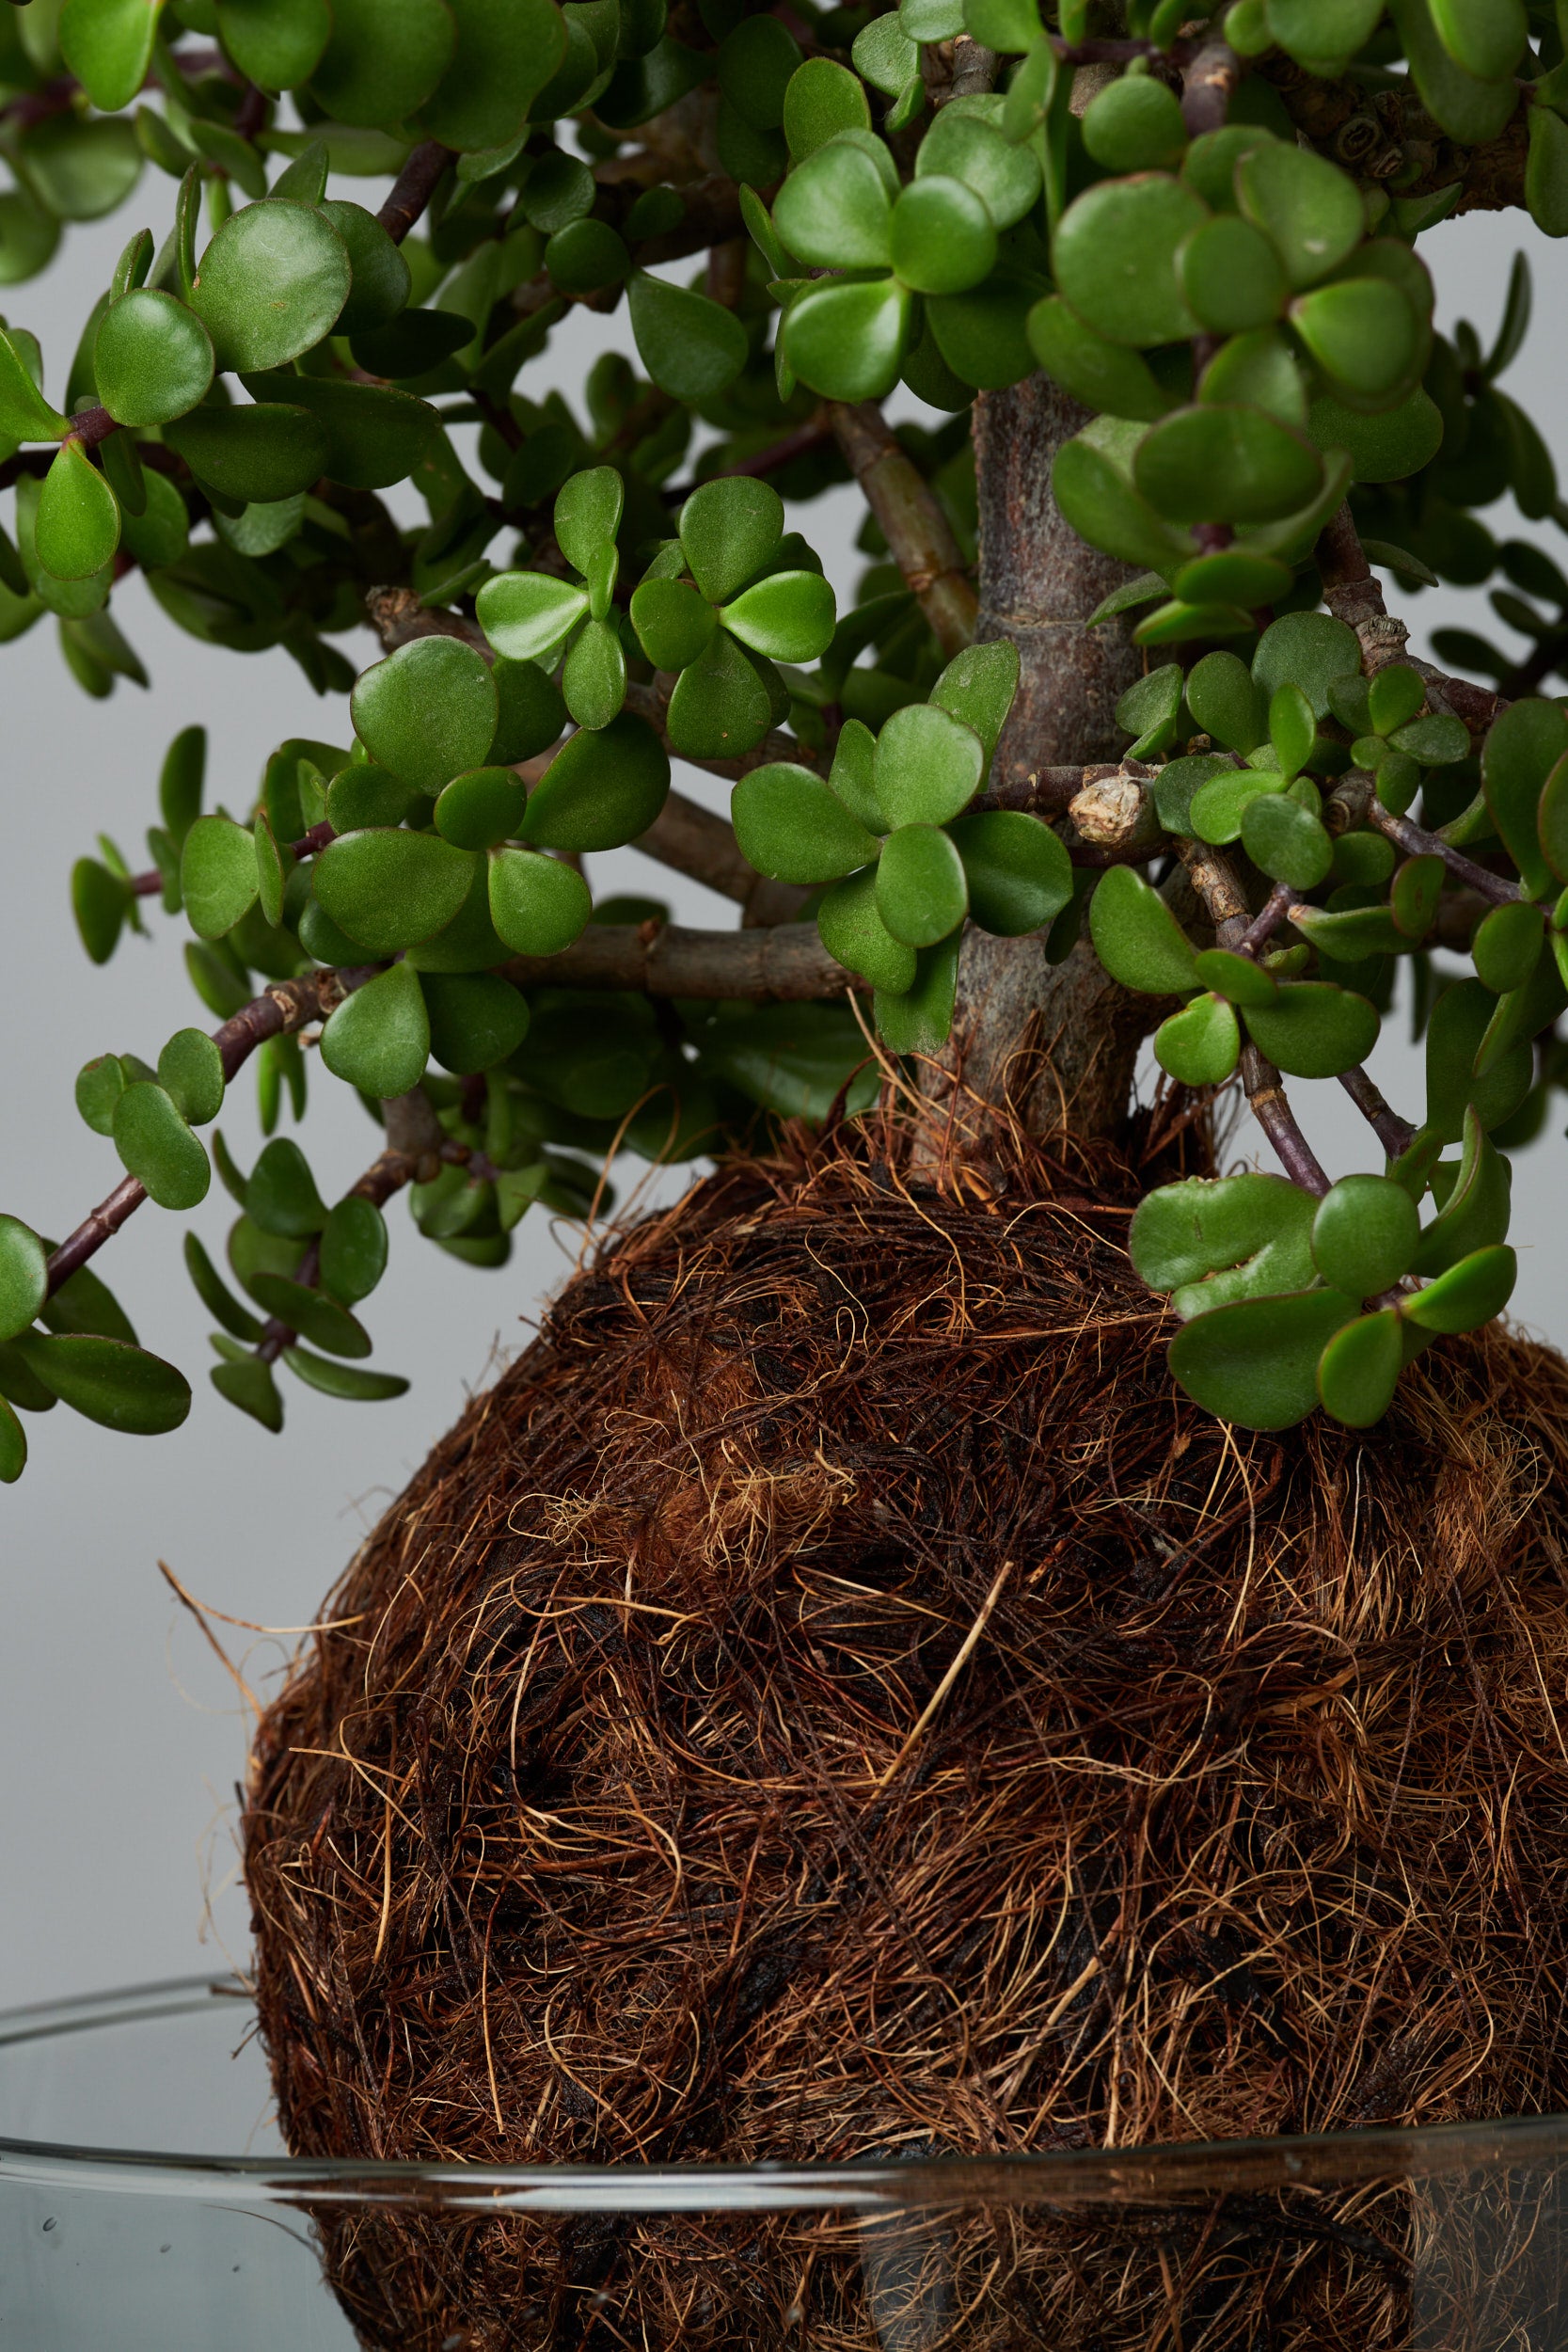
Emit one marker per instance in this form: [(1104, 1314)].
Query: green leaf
[(942, 238), (978, 688), (1097, 499), (722, 704), (24, 414), (388, 888), (158, 1148), (921, 893), (1019, 876), (217, 875), (101, 902), (248, 1383), (153, 360), (478, 810), (674, 622), (1255, 1363), (1458, 1022), (271, 872), (374, 434), (822, 100), (1485, 37), (99, 1084), (1311, 211), (378, 1039), (692, 347), (855, 935), (1231, 276), (384, 59), (217, 1298), (108, 45), (1314, 1029), (793, 827), (1546, 172), (929, 766), (1522, 748), (1201, 1044), (1226, 703), (1005, 24), (1135, 124), (1365, 1234), (1236, 978), (276, 43), (728, 530), (380, 278), (846, 338), (1322, 35), (1114, 255), (428, 713), (1286, 842), (601, 789), (532, 712), (77, 528), (110, 1382), (538, 905), (312, 1313), (1218, 808), (343, 1380), (13, 1446), (1359, 1369), (1363, 334), (528, 616), (1469, 1295), (1477, 1211), (833, 211), (1211, 463), (917, 1020), (271, 284), (789, 616), (594, 681), (476, 1019), (1507, 947), (280, 1196), (258, 455), (85, 1303), (588, 514), (1090, 369), (354, 1247), (1468, 109), (1138, 938), (507, 52), (24, 1276), (1306, 649), (190, 1070)]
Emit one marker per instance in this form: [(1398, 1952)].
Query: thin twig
[(423, 170), (787, 961), (1394, 1133)]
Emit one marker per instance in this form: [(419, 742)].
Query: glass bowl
[(147, 2205)]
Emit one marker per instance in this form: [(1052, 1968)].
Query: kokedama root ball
[(834, 1697)]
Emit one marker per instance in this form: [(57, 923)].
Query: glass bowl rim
[(1058, 2178)]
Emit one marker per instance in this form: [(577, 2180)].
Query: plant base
[(834, 1697)]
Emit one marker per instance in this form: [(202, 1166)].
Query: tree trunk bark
[(1055, 1043)]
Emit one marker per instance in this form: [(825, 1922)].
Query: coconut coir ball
[(834, 1697)]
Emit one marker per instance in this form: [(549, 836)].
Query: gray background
[(120, 1735)]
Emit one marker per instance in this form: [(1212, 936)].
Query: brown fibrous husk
[(834, 1696)]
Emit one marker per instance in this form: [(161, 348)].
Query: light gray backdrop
[(120, 1735)]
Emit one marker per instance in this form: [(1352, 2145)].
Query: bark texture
[(1059, 1040)]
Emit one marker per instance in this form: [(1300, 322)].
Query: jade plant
[(1197, 243)]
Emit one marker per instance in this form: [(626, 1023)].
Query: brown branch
[(1415, 841), (1221, 894), (1208, 84), (423, 170), (919, 536), (692, 840), (783, 451), (283, 1009), (787, 962), (1394, 1133), (1354, 597)]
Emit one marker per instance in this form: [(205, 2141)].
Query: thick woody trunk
[(1058, 1042)]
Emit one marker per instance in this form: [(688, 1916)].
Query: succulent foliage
[(1217, 253)]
